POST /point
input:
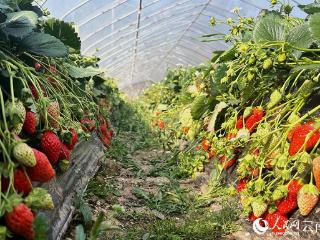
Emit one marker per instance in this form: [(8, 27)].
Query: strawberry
[(287, 205), (37, 67), (105, 140), (39, 198), (65, 153), (277, 222), (20, 221), (231, 135), (294, 187), (51, 145), (252, 218), (227, 163), (259, 207), (241, 185), (24, 154), (103, 127), (54, 115), (253, 120), (161, 124), (21, 182), (212, 153), (292, 130), (109, 134), (16, 114), (88, 124), (308, 197), (35, 92), (42, 171), (30, 123), (299, 141), (205, 144), (73, 140), (239, 123), (185, 130), (316, 171)]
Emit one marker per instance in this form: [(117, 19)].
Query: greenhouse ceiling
[(138, 40)]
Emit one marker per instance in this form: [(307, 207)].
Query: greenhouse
[(159, 119)]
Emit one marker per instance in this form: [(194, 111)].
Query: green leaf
[(300, 36), (86, 212), (80, 235), (96, 227), (314, 25), (20, 24), (40, 226), (269, 28), (199, 106), (228, 55), (44, 45), (79, 72), (63, 31), (310, 8)]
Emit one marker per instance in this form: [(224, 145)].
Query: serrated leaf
[(63, 31), (314, 25), (79, 72), (269, 28), (300, 36), (310, 8), (80, 235), (198, 107), (86, 212), (20, 24), (44, 45)]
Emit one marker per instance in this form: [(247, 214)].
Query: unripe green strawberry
[(275, 98), (280, 192), (39, 198), (24, 154), (267, 64), (274, 2), (259, 207), (282, 57), (308, 197), (250, 75), (16, 114), (259, 185), (247, 112), (252, 59)]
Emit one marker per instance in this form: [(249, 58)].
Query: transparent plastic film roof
[(138, 40)]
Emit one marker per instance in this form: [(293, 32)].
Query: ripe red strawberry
[(54, 115), (65, 153), (88, 125), (35, 92), (51, 145), (287, 205), (161, 124), (103, 127), (299, 141), (21, 182), (227, 163), (239, 123), (294, 187), (20, 221), (277, 223), (316, 171), (30, 123), (290, 133), (205, 144), (253, 120), (241, 185), (105, 140), (43, 170), (73, 140)]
